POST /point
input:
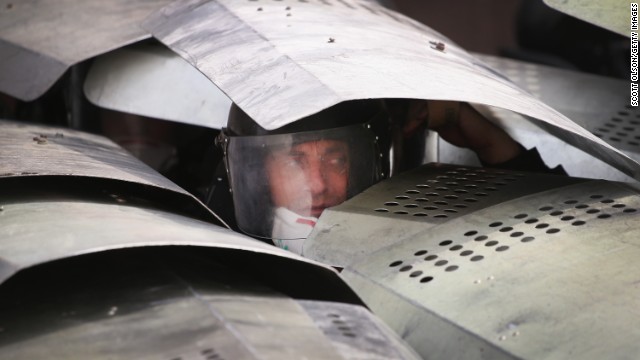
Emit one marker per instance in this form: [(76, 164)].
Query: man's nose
[(316, 179)]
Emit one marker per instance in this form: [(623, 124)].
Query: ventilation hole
[(618, 206), (456, 247), (506, 229), (381, 210), (517, 234), (470, 233), (553, 231), (412, 192), (460, 206), (344, 328), (206, 351), (452, 183), (569, 202), (415, 274), (495, 224), (471, 186), (489, 188), (556, 213), (500, 183), (440, 202), (520, 216), (502, 248), (348, 334), (406, 268), (481, 238), (391, 203), (432, 194), (607, 201), (440, 216), (542, 226), (629, 210), (442, 188), (446, 243), (441, 262), (604, 216), (402, 197), (470, 200), (333, 315), (531, 221), (593, 211), (431, 257), (596, 196), (567, 218), (411, 206), (450, 211), (477, 258), (422, 200), (481, 194), (395, 263), (451, 197), (451, 268), (431, 208), (582, 206), (466, 253), (422, 186), (420, 214), (546, 208), (420, 252), (400, 212), (491, 243), (527, 239), (578, 223), (426, 279)]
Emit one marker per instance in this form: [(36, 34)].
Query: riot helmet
[(281, 180)]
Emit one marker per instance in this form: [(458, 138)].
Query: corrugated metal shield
[(612, 15)]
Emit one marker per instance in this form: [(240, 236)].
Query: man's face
[(309, 177)]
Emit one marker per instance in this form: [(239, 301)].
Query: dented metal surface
[(40, 40), (42, 151), (259, 52), (409, 203), (153, 81), (547, 275), (597, 103), (613, 15)]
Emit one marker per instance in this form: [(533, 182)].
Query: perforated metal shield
[(601, 105), (268, 56), (40, 40), (547, 274), (610, 14), (153, 81)]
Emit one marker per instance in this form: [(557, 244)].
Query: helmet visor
[(282, 183)]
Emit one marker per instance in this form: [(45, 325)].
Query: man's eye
[(337, 162), (294, 161)]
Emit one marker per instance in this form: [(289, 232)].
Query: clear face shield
[(282, 183)]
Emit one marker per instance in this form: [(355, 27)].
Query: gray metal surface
[(39, 40), (409, 203), (153, 311), (267, 56), (40, 228), (35, 151), (551, 275), (153, 81), (612, 15)]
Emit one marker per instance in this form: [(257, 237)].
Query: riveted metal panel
[(612, 15), (267, 56), (39, 40), (153, 81), (597, 103), (408, 203), (551, 275)]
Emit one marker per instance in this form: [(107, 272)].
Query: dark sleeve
[(528, 160)]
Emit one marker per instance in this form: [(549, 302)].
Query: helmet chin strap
[(290, 230)]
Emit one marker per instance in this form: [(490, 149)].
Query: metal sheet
[(42, 151), (597, 103), (39, 40), (411, 202), (143, 310), (551, 275), (152, 81), (267, 56), (612, 15), (40, 228)]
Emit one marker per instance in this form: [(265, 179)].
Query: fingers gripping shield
[(282, 183)]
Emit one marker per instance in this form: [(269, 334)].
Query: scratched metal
[(410, 203), (612, 15), (40, 40), (177, 305), (552, 275), (153, 81), (268, 56), (597, 103)]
